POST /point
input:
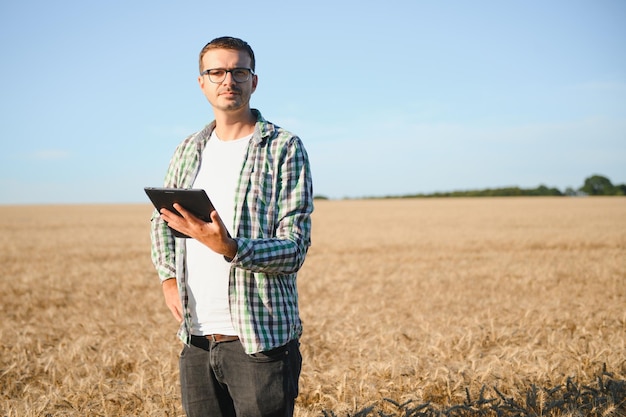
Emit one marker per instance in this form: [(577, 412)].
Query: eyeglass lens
[(219, 74)]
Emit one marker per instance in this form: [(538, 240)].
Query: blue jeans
[(220, 379)]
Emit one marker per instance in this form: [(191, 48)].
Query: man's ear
[(255, 81)]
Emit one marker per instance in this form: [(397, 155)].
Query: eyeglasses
[(218, 75)]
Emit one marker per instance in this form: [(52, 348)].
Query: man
[(232, 285)]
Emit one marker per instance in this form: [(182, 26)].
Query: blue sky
[(389, 98)]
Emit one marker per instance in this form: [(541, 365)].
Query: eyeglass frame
[(226, 71)]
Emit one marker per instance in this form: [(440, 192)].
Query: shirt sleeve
[(284, 252), (163, 247), (163, 244)]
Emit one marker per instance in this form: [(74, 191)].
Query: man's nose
[(228, 79)]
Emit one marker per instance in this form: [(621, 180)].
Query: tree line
[(593, 185)]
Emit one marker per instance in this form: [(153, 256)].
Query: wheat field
[(404, 301)]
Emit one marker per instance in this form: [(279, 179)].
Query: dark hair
[(227, 42)]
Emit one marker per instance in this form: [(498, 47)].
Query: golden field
[(421, 300)]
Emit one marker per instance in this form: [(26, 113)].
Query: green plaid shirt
[(272, 224)]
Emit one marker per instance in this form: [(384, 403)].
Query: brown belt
[(219, 338), (204, 342)]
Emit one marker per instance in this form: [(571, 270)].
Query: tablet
[(194, 200)]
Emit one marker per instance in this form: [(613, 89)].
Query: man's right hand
[(172, 300)]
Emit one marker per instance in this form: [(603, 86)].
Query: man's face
[(228, 95)]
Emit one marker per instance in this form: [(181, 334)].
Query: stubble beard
[(236, 102)]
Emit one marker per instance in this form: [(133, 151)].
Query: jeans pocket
[(183, 351), (280, 353)]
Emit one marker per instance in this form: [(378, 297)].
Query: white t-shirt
[(208, 272)]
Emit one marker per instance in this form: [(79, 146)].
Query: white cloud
[(48, 155), (611, 86)]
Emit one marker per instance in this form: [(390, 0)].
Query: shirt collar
[(262, 130)]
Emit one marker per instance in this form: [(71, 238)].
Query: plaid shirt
[(272, 224)]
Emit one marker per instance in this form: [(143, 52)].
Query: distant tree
[(543, 190), (598, 185)]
